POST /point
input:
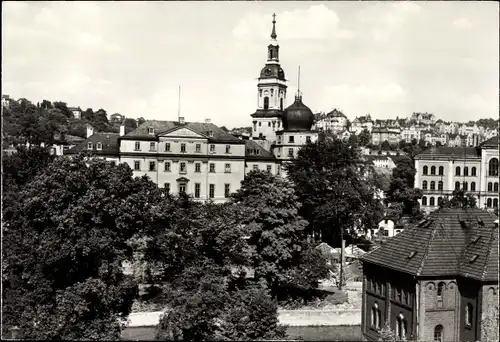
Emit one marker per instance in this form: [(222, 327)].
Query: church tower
[(271, 94)]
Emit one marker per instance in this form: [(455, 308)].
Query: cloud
[(317, 22), (383, 19), (462, 23)]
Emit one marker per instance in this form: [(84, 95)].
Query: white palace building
[(203, 160)]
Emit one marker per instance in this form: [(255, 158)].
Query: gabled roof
[(450, 152), (444, 245), (253, 151), (336, 114), (109, 143), (219, 135)]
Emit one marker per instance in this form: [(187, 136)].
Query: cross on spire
[(273, 33)]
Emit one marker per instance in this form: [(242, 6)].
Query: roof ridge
[(433, 234), (487, 259)]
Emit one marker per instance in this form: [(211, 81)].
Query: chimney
[(181, 120), (208, 121), (90, 131), (122, 130)]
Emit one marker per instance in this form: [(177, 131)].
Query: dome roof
[(272, 71), (298, 116)]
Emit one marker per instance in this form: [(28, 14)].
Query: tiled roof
[(444, 246), (449, 152), (271, 113), (109, 144), (336, 114), (219, 135), (492, 142), (262, 154)]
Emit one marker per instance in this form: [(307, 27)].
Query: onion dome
[(298, 117), (273, 71)]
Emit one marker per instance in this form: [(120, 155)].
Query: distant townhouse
[(435, 280), (423, 118), (410, 133), (380, 163), (76, 111), (335, 122), (361, 123), (116, 118), (465, 129), (6, 101), (441, 170), (389, 134)]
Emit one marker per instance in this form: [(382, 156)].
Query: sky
[(386, 59)]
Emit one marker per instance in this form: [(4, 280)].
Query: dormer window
[(211, 134), (89, 146), (151, 130), (99, 146)]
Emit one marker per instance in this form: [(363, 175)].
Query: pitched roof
[(449, 152), (109, 143), (219, 135), (336, 114), (444, 246), (492, 142), (253, 151)]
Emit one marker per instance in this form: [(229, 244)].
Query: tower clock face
[(267, 72)]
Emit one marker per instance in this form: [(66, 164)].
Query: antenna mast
[(179, 105), (298, 85)]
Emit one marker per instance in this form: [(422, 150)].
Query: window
[(137, 146), (89, 146), (211, 190), (279, 139), (167, 187), (457, 171), (493, 167), (438, 333), (466, 171), (401, 326), (151, 130), (440, 290), (468, 314), (183, 148), (198, 147), (466, 186), (228, 148), (269, 124), (182, 167), (266, 104), (260, 124), (431, 201), (255, 167), (269, 168), (152, 166), (424, 200), (278, 171), (212, 148), (212, 168), (227, 168), (197, 167), (473, 171), (376, 316), (441, 171), (490, 186), (495, 203), (433, 185), (426, 170), (182, 188), (137, 165), (152, 146), (281, 104), (308, 139), (433, 170), (98, 146), (167, 166), (424, 185), (227, 190), (473, 186), (495, 187), (197, 190), (488, 203), (291, 139), (440, 201), (457, 185), (167, 147), (290, 152), (440, 185), (398, 295)]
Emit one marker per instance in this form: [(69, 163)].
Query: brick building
[(436, 280)]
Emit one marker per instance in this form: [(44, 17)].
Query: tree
[(422, 143), (88, 115), (130, 125), (224, 128), (270, 213), (62, 106), (65, 240), (459, 199), (364, 137), (385, 145), (438, 143), (140, 121)]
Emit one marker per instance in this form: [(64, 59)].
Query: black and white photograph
[(250, 170)]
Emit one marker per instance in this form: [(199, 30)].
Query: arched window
[(493, 167), (466, 171), (488, 203), (440, 185), (440, 200), (441, 171), (375, 316), (424, 185), (281, 104), (433, 170), (473, 186), (266, 103), (495, 203), (431, 201), (457, 185), (438, 333), (433, 185), (440, 291), (468, 314), (490, 186), (401, 326), (473, 171), (424, 200), (495, 187), (457, 171), (466, 186), (426, 170)]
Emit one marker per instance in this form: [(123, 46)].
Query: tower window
[(281, 104), (266, 103)]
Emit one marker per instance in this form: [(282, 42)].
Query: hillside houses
[(334, 122)]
